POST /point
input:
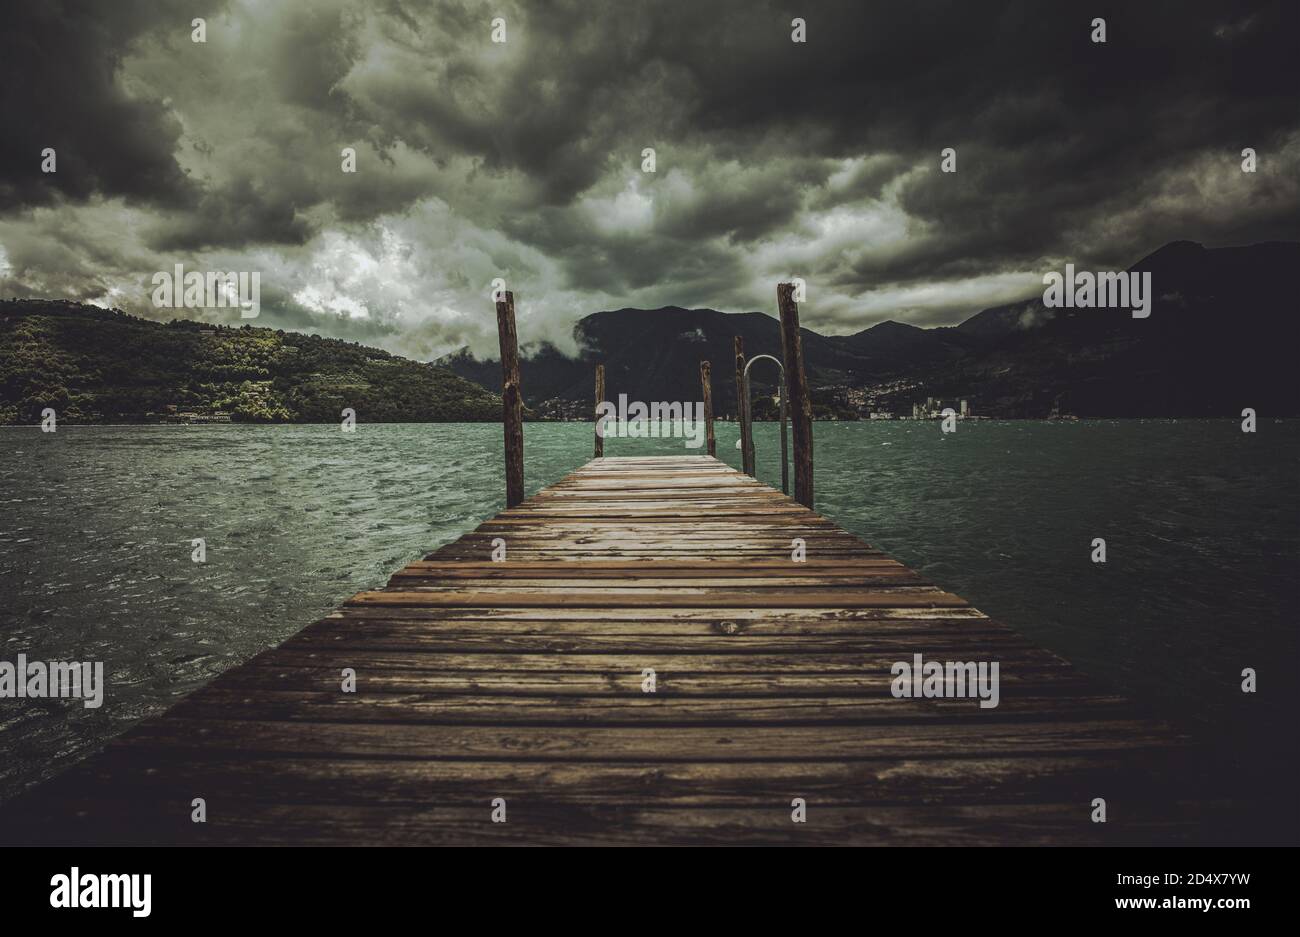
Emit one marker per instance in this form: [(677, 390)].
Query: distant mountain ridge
[(1221, 336), (93, 365)]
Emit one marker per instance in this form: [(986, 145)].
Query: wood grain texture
[(706, 389), (512, 400), (600, 398), (797, 388), (526, 679), (742, 411)]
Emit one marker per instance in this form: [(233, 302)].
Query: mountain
[(889, 348), (94, 365), (655, 354), (1221, 336)]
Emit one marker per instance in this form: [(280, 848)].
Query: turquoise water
[(1202, 525)]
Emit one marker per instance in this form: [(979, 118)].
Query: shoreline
[(975, 419)]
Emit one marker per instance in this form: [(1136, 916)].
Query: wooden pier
[(523, 683)]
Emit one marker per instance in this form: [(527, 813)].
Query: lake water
[(1201, 521)]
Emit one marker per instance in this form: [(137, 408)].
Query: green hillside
[(94, 365)]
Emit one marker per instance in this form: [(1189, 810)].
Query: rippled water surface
[(1202, 524)]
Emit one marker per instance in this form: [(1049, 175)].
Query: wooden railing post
[(706, 382), (511, 399), (785, 446), (600, 398), (796, 384), (742, 411)]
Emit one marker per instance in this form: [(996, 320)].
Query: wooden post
[(742, 411), (747, 432), (796, 383), (600, 398), (511, 399), (706, 381), (785, 446)]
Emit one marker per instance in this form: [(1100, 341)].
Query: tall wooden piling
[(742, 411), (797, 389), (511, 399), (600, 398), (706, 383)]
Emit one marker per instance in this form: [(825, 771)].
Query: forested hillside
[(94, 365)]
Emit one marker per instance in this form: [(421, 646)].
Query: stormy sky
[(523, 159)]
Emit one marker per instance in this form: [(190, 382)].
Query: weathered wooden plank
[(643, 513), (613, 597), (645, 710), (359, 623), (565, 552), (687, 743), (756, 569), (665, 662), (726, 619), (595, 683), (379, 636), (702, 578), (160, 774), (1024, 824)]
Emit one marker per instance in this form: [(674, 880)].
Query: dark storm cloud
[(1051, 129), (245, 210), (60, 88), (522, 160), (622, 263), (587, 80)]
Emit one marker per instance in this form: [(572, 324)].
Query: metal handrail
[(747, 457)]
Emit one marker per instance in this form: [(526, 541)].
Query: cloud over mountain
[(523, 159)]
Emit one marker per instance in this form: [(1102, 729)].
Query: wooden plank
[(645, 710), (324, 676), (666, 662), (687, 743), (870, 782), (360, 623), (615, 597), (390, 636), (756, 569), (430, 824), (731, 620), (880, 577)]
